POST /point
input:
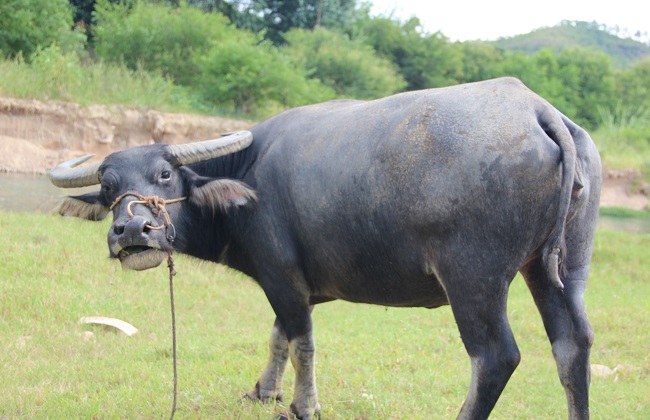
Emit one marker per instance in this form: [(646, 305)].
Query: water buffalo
[(422, 199)]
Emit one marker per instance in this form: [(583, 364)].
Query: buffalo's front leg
[(292, 338), (269, 386), (305, 398)]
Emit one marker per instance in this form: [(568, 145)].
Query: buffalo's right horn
[(210, 149), (65, 175)]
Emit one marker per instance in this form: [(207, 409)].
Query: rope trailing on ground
[(172, 273), (158, 205)]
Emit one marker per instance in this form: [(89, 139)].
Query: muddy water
[(20, 192), (27, 193)]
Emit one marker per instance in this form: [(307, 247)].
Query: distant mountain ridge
[(572, 34)]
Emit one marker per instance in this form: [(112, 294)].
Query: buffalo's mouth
[(140, 257)]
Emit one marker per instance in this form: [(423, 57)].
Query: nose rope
[(154, 201), (158, 205)]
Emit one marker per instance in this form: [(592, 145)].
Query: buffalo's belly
[(381, 287)]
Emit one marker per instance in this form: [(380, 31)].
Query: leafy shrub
[(26, 25), (158, 37), (255, 79), (349, 67)]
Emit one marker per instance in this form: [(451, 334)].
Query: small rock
[(625, 368), (88, 335), (601, 371)]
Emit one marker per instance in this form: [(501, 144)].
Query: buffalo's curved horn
[(210, 149), (65, 175)]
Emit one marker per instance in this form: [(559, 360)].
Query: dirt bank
[(35, 136)]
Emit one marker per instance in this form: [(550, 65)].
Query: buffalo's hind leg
[(568, 330), (479, 307), (269, 386), (563, 311)]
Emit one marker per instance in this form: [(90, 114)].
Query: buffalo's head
[(140, 186)]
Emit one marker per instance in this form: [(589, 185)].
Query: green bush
[(351, 68), (26, 25), (255, 79), (157, 37)]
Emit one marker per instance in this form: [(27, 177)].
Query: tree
[(276, 17), (634, 85), (477, 60), (587, 80), (424, 60)]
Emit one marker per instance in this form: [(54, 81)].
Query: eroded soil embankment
[(35, 135)]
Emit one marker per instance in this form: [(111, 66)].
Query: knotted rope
[(158, 208), (154, 201)]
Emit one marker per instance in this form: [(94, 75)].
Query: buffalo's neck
[(214, 236), (202, 235)]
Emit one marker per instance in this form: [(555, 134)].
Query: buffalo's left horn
[(211, 149), (65, 175)]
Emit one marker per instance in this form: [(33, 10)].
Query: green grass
[(372, 362)]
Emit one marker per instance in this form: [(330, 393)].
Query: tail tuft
[(553, 267)]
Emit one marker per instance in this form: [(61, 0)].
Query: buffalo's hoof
[(288, 415), (292, 415), (256, 394)]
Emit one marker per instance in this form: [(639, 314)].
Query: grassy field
[(372, 362)]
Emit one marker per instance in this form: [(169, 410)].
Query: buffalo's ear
[(85, 206), (221, 194)]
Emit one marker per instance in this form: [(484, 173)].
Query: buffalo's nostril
[(136, 226), (118, 229)]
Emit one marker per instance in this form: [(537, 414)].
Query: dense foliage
[(229, 69), (349, 67), (26, 25)]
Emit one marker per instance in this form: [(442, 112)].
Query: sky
[(463, 20)]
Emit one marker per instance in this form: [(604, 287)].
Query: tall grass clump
[(623, 137), (52, 74)]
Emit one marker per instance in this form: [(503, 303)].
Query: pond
[(20, 192)]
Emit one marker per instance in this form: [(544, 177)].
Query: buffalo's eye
[(166, 175), (107, 186)]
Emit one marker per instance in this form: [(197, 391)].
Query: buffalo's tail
[(554, 250)]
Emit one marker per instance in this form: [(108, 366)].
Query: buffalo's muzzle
[(135, 244)]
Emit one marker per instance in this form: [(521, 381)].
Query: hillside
[(623, 51)]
